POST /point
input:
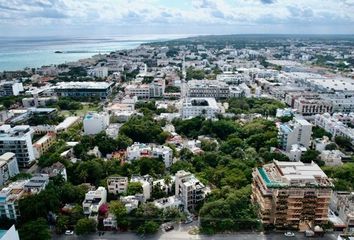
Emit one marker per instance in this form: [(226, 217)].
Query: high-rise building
[(17, 140), (297, 131), (291, 194)]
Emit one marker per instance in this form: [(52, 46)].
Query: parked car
[(169, 228), (69, 232), (188, 220), (289, 234)]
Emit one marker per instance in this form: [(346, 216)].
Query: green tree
[(134, 188), (85, 226), (309, 156), (120, 212), (149, 227), (62, 223), (36, 229), (343, 142), (331, 146)]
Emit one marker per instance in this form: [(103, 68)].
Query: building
[(139, 150), (56, 169), (10, 234), (168, 203), (194, 107), (342, 204), (291, 194), (43, 144), (9, 197), (297, 131), (8, 167), (336, 125), (66, 124), (130, 202), (10, 88), (95, 123), (93, 201), (117, 185), (208, 89), (100, 90), (146, 184), (37, 183), (189, 189), (19, 141), (100, 72), (38, 101), (138, 90), (332, 157)]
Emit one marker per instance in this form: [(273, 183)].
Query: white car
[(289, 234), (69, 232)]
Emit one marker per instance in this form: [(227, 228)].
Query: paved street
[(181, 232)]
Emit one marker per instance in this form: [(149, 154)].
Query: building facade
[(95, 123), (291, 194), (18, 140), (298, 131), (8, 167), (189, 190)]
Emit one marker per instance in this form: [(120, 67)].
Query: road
[(181, 233)]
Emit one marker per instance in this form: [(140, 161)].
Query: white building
[(168, 203), (66, 124), (19, 141), (10, 88), (93, 201), (333, 125), (8, 167), (342, 203), (117, 185), (189, 189), (146, 184), (95, 123), (139, 150), (130, 202), (100, 72), (208, 89), (10, 234), (332, 157), (297, 131), (194, 107), (10, 196), (37, 183)]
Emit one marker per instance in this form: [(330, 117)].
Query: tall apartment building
[(291, 194), (189, 189), (8, 167), (117, 185), (95, 123), (10, 88), (208, 89), (17, 140), (297, 131)]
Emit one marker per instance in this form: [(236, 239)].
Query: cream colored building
[(291, 194)]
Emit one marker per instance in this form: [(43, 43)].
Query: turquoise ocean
[(16, 53)]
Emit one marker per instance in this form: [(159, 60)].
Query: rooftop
[(80, 85), (278, 174)]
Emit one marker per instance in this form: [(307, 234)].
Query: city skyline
[(134, 17)]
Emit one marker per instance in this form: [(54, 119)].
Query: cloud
[(198, 14)]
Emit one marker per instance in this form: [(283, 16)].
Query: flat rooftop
[(279, 174), (81, 85)]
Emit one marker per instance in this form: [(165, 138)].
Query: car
[(169, 228), (188, 220), (289, 234), (69, 232)]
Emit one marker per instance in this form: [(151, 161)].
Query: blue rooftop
[(2, 233)]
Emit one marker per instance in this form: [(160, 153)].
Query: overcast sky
[(121, 17)]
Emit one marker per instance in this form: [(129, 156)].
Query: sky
[(134, 17)]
